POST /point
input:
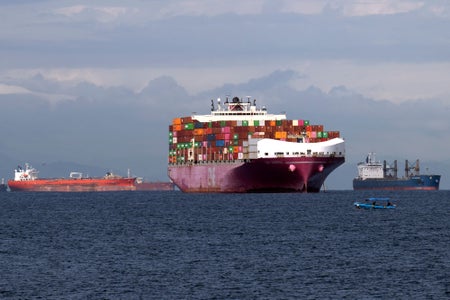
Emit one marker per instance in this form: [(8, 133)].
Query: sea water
[(171, 245)]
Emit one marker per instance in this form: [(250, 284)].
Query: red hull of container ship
[(300, 174), (73, 185)]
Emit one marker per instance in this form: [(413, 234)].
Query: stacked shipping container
[(191, 140)]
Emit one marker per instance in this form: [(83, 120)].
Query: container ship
[(374, 175), (240, 148), (26, 179)]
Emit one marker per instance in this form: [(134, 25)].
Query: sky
[(98, 82)]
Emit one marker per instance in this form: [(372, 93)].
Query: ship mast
[(414, 168)]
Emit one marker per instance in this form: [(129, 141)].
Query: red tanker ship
[(241, 148), (26, 180)]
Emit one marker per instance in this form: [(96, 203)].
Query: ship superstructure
[(239, 147)]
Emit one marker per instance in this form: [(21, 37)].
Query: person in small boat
[(389, 203), (374, 203)]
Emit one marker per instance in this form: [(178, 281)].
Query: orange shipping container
[(280, 134), (198, 131)]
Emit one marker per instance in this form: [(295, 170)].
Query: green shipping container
[(256, 123), (325, 134), (306, 122), (189, 126), (244, 123)]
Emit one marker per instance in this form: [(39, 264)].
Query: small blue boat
[(375, 203)]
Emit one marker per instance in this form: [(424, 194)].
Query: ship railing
[(205, 162), (278, 155), (301, 154)]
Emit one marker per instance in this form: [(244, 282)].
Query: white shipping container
[(252, 156), (253, 142)]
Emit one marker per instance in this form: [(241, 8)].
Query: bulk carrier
[(241, 148), (373, 175), (26, 179)]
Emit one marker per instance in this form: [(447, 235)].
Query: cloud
[(376, 7), (71, 11), (101, 14), (199, 34), (12, 89), (397, 82)]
